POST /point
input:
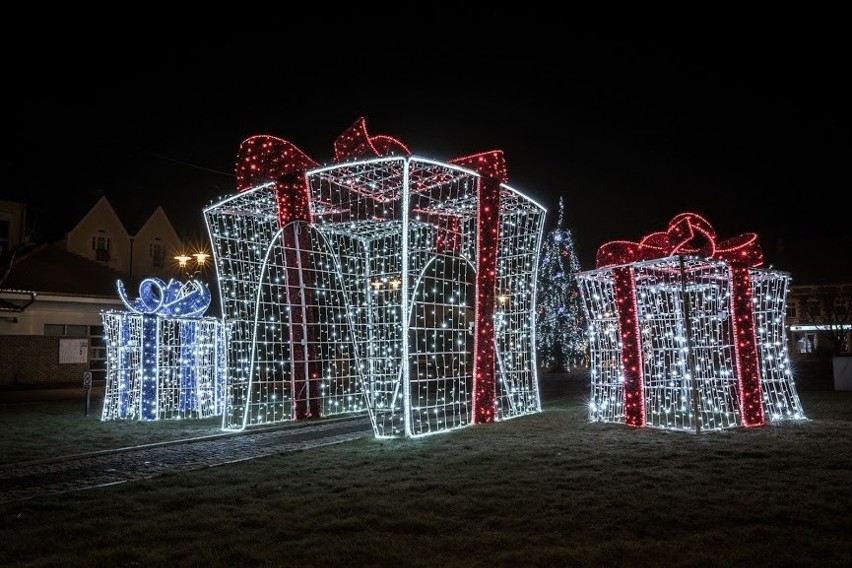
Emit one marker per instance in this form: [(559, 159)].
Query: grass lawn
[(550, 489)]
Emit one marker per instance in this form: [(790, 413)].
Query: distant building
[(819, 302), (101, 236), (12, 225), (818, 317), (52, 294)]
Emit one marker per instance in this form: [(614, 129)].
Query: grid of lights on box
[(687, 333), (382, 283), (164, 360)]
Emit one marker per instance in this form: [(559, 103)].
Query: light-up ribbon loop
[(689, 234), (175, 299)]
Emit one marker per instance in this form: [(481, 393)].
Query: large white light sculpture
[(163, 359), (687, 333), (382, 283)]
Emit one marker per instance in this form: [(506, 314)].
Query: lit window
[(806, 343)]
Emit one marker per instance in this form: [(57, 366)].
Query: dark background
[(743, 120)]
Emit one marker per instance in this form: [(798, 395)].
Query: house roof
[(50, 223), (47, 268), (133, 215)]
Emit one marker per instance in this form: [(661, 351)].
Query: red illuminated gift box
[(687, 332)]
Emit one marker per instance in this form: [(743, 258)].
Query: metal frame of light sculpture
[(383, 282), (266, 377), (686, 333), (164, 361)]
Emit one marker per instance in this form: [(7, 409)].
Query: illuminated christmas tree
[(560, 323)]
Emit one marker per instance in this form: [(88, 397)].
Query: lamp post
[(192, 270)]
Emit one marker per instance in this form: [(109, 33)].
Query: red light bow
[(264, 158), (687, 233)]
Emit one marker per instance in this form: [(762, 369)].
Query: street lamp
[(201, 259), (184, 259)]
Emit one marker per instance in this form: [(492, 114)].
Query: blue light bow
[(177, 299)]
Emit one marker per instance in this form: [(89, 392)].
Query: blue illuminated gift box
[(164, 360)]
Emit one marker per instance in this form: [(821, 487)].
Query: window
[(791, 310), (100, 244), (805, 342), (4, 236), (814, 310), (66, 330), (97, 343), (54, 329), (77, 330), (97, 352), (158, 253)]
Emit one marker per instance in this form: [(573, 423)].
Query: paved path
[(71, 473), (21, 481), (86, 471)]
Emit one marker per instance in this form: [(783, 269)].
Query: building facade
[(819, 320), (819, 303), (52, 294)]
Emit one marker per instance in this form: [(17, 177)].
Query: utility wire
[(187, 164)]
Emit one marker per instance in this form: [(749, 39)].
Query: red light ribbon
[(356, 143)]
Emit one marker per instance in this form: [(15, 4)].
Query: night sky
[(746, 123)]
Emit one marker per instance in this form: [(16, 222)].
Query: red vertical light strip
[(268, 159), (492, 168), (748, 366), (306, 368), (485, 366), (448, 237), (631, 352)]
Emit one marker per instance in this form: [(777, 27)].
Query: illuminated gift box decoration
[(381, 283), (687, 332), (164, 360)]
